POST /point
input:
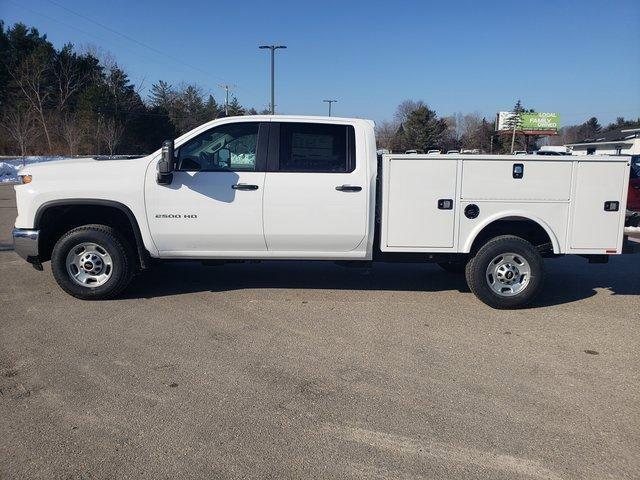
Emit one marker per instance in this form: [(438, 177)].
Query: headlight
[(24, 179)]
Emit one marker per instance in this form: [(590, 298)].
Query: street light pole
[(330, 102), (273, 49), (226, 100)]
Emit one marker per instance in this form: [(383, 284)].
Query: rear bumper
[(25, 244)]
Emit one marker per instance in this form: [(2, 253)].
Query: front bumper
[(25, 244)]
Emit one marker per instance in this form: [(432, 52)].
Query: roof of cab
[(304, 118)]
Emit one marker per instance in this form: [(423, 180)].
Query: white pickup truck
[(313, 188)]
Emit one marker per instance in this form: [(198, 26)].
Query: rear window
[(316, 147)]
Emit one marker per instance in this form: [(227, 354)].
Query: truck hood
[(86, 177), (65, 166)]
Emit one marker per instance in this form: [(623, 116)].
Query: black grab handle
[(348, 188)]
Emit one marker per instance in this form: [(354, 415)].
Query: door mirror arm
[(166, 165)]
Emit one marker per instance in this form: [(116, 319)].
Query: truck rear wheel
[(92, 262), (507, 272)]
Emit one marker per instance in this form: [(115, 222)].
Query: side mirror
[(166, 164)]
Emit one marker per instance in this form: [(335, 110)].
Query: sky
[(578, 58)]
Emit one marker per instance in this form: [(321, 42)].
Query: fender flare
[(142, 252), (508, 214)]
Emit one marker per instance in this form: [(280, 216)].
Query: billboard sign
[(503, 121), (539, 123)]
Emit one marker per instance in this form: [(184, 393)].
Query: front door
[(316, 192), (213, 205)]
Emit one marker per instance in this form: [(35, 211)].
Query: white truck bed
[(565, 195)]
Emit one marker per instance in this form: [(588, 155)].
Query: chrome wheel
[(508, 274), (89, 265)]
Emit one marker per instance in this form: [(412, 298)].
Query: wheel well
[(520, 227), (55, 220)]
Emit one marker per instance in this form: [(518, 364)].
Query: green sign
[(539, 121)]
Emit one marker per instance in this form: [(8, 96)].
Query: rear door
[(315, 194), (598, 209)]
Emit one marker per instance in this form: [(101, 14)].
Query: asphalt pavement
[(312, 370)]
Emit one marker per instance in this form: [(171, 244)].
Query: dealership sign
[(539, 123)]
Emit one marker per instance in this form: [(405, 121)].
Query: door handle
[(244, 186), (348, 188)]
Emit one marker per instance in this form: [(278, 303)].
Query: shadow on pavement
[(568, 279)]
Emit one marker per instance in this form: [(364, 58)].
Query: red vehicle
[(633, 198)]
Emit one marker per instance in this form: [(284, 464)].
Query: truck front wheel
[(507, 272), (92, 262)]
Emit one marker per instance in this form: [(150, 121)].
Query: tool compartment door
[(594, 227), (418, 214), (495, 180)]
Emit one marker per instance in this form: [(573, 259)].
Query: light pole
[(330, 102), (273, 49), (226, 100)]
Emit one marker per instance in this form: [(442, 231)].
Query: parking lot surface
[(312, 370)]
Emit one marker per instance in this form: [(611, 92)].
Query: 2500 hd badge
[(175, 215)]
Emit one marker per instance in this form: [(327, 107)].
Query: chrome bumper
[(25, 244)]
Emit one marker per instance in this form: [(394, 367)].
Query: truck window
[(229, 147), (316, 147), (635, 166)]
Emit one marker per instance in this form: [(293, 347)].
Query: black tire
[(476, 272), (121, 254), (453, 267)]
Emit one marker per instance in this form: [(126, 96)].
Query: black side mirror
[(166, 164)]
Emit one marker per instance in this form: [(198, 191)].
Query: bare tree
[(71, 132), (30, 77), (470, 127), (449, 139), (405, 108), (21, 125), (385, 133), (110, 132), (69, 79)]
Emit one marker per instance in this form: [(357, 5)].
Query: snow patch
[(9, 166), (8, 172)]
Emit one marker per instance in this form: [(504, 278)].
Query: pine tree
[(518, 108), (589, 129), (235, 109), (212, 108), (423, 130), (162, 95), (513, 124)]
